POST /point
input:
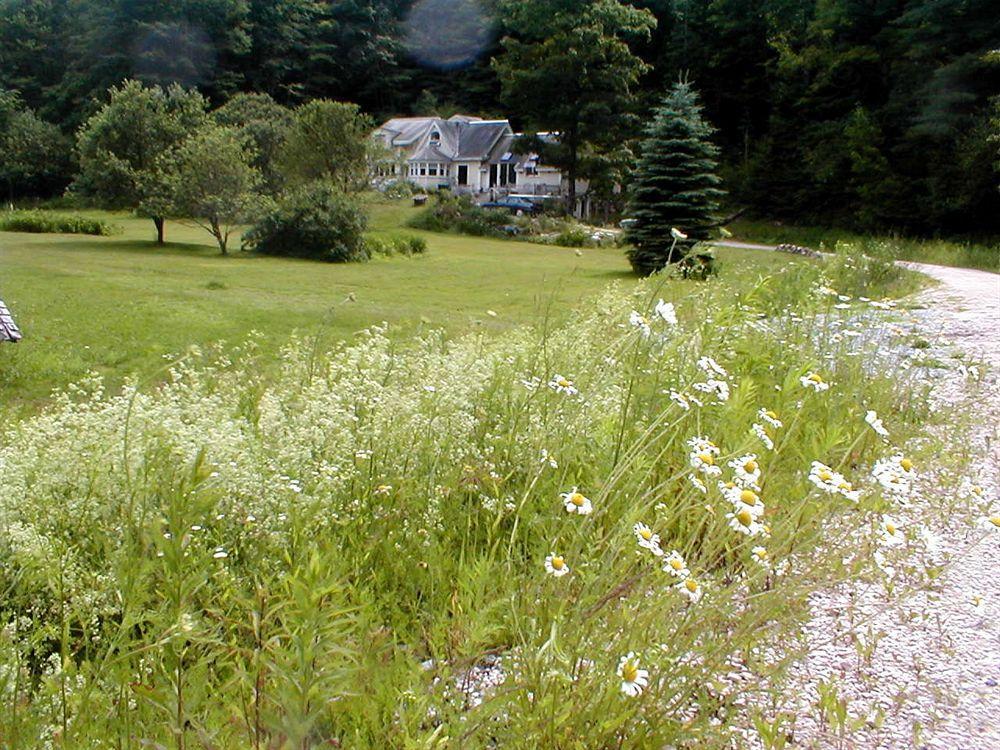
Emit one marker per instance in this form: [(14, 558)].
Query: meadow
[(116, 305), (591, 521)]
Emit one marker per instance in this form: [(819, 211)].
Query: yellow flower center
[(906, 463), (750, 467), (995, 520), (825, 475), (558, 563), (890, 529), (691, 585), (977, 489), (748, 497), (646, 534), (706, 458), (577, 499), (845, 486), (815, 377), (761, 554), (744, 517), (771, 414), (730, 485), (676, 564), (630, 672), (562, 382)]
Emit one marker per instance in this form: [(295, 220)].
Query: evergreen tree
[(675, 185)]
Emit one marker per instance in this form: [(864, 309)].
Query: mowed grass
[(119, 305)]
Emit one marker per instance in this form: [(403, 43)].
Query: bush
[(316, 221), (399, 189), (452, 213), (42, 222), (396, 244)]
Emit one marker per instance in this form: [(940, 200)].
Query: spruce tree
[(675, 185)]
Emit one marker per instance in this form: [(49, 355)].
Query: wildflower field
[(597, 533)]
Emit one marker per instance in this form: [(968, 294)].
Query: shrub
[(573, 237), (452, 213), (43, 222), (399, 189), (395, 244), (316, 221)]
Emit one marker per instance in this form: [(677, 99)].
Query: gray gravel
[(933, 678)]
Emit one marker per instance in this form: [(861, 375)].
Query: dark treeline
[(874, 114)]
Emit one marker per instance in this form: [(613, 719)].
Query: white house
[(466, 155)]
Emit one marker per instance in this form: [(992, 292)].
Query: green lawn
[(117, 305)]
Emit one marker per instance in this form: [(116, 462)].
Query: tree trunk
[(220, 236), (159, 221)]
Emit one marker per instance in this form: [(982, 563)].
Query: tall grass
[(982, 254), (354, 553), (46, 222)]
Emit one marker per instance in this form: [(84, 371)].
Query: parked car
[(516, 206)]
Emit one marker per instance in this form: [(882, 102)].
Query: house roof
[(8, 329), (461, 137)]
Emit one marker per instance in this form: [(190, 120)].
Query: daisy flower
[(846, 489), (699, 485), (992, 521), (770, 417), (575, 502), (710, 366), (665, 311), (556, 566), (633, 678), (647, 539), (677, 234), (815, 381), (746, 470), (744, 498), (680, 400), (890, 532), (894, 474), (761, 433), (637, 320), (702, 457), (674, 565), (562, 385), (719, 388), (743, 521), (824, 477), (760, 556), (691, 589), (875, 423)]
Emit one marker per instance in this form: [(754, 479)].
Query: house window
[(463, 174), (423, 170), (435, 138), (432, 170)]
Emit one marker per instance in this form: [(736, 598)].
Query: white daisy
[(875, 423), (562, 385), (718, 388), (743, 521), (761, 433), (760, 556), (637, 320), (710, 366), (815, 381), (677, 234), (575, 502), (770, 417), (894, 474), (890, 532), (666, 312), (690, 588), (633, 678), (699, 485), (825, 477), (680, 400), (746, 470), (702, 456), (744, 498), (992, 521), (674, 565), (555, 565), (647, 539)]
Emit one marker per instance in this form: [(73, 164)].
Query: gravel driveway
[(919, 665)]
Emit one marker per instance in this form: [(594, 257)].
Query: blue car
[(514, 205)]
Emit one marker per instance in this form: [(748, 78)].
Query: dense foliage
[(315, 221), (46, 222), (872, 115), (675, 188)]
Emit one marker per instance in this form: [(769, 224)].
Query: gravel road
[(932, 680)]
